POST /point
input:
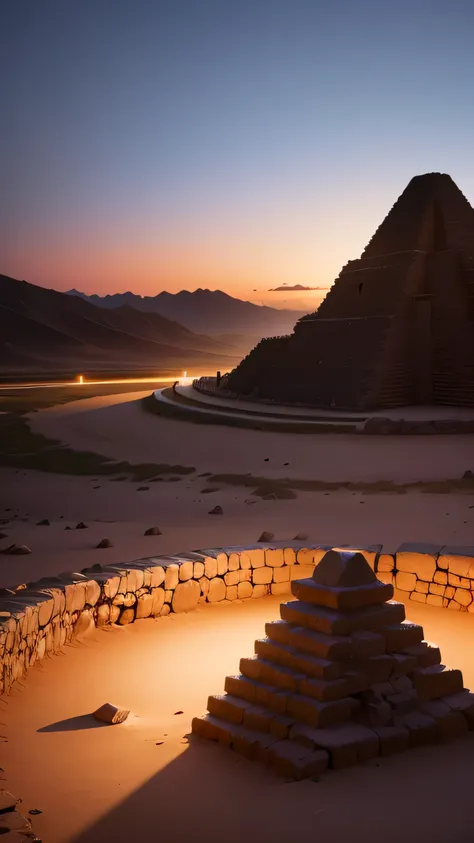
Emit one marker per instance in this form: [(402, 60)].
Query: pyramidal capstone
[(341, 678)]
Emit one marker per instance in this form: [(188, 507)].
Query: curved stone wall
[(39, 619)]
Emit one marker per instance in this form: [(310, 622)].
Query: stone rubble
[(341, 678)]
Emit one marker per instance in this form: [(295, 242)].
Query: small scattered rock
[(81, 526), (96, 487), (108, 713), (468, 475), (267, 459), (286, 463), (159, 743), (68, 528), (35, 811), (153, 531), (179, 712), (143, 489), (266, 536), (217, 510), (105, 543), (44, 523), (17, 550), (300, 537)]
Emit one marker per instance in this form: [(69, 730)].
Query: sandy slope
[(116, 783), (117, 427)]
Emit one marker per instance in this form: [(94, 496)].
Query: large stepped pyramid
[(340, 679), (396, 328)]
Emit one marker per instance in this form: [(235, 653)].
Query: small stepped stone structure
[(340, 679), (397, 326)]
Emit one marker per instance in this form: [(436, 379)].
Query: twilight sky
[(233, 144)]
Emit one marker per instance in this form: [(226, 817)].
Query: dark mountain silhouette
[(42, 328), (209, 312)]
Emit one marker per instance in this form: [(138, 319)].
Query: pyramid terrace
[(397, 327)]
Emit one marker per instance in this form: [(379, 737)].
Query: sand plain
[(143, 780), (122, 783)]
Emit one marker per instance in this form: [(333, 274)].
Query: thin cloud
[(297, 288)]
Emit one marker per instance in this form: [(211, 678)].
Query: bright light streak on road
[(78, 383)]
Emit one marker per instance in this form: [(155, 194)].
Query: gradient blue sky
[(169, 144)]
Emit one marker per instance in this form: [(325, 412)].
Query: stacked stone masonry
[(40, 619), (340, 679)]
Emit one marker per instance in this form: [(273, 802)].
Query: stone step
[(402, 635), (436, 681), (296, 660), (449, 724), (426, 654), (287, 758), (287, 679), (318, 644), (422, 729), (462, 701), (330, 622), (341, 599), (347, 743)]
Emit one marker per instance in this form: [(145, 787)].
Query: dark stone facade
[(397, 327)]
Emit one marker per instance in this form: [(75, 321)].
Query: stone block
[(92, 592), (280, 588), (422, 587), (127, 616), (463, 701), (274, 557), (157, 575), (463, 597), (257, 717), (346, 743), (158, 601), (168, 596), (210, 567), (216, 590), (241, 686), (144, 606), (417, 597), (449, 724), (244, 590), (212, 728), (256, 557), (84, 624), (392, 739), (294, 761), (458, 560), (459, 582), (434, 600), (282, 575), (441, 577), (333, 623), (76, 596), (386, 577), (260, 590), (425, 654), (289, 556), (186, 596), (318, 714), (198, 570), (232, 578), (421, 728), (301, 572), (436, 681), (436, 588), (171, 576), (222, 564), (234, 561), (186, 571), (280, 726), (244, 562), (204, 585), (405, 581), (341, 599), (278, 631), (231, 592), (419, 559), (385, 562), (227, 707), (317, 644)]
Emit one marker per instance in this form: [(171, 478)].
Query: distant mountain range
[(43, 329), (210, 312)]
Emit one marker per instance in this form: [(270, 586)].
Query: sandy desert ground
[(143, 781), (123, 784), (117, 427)]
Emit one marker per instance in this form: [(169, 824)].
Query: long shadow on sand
[(73, 724), (210, 794)]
